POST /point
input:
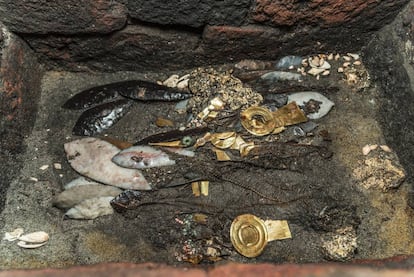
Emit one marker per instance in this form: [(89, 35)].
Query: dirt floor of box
[(336, 207)]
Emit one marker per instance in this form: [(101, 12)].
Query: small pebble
[(57, 166), (34, 179), (386, 148), (44, 167)]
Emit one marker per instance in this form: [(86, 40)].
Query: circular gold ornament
[(248, 235), (258, 121)]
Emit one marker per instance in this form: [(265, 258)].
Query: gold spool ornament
[(248, 235), (258, 121)]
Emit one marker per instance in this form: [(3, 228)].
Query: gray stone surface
[(62, 17)]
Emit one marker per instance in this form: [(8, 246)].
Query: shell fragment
[(13, 235)]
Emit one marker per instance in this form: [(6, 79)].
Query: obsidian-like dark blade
[(147, 91), (173, 135), (97, 119), (91, 97)]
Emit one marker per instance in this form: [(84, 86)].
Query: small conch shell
[(13, 235), (35, 237)]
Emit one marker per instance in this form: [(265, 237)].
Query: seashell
[(346, 64), (258, 121), (326, 73), (248, 235), (13, 235), (91, 208), (352, 78), (35, 237), (357, 62), (26, 245), (385, 148), (368, 148), (315, 71), (314, 61), (183, 84), (340, 69), (347, 58), (330, 57), (354, 56), (171, 81)]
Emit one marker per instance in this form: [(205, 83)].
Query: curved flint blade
[(97, 119), (92, 97), (147, 91)]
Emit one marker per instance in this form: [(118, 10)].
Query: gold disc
[(248, 235), (258, 121)]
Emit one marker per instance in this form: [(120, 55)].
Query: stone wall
[(111, 35), (20, 76)]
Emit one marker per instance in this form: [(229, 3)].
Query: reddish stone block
[(322, 13)]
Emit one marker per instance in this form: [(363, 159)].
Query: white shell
[(354, 56), (385, 148), (35, 237), (13, 235), (26, 245), (316, 71), (171, 81)]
